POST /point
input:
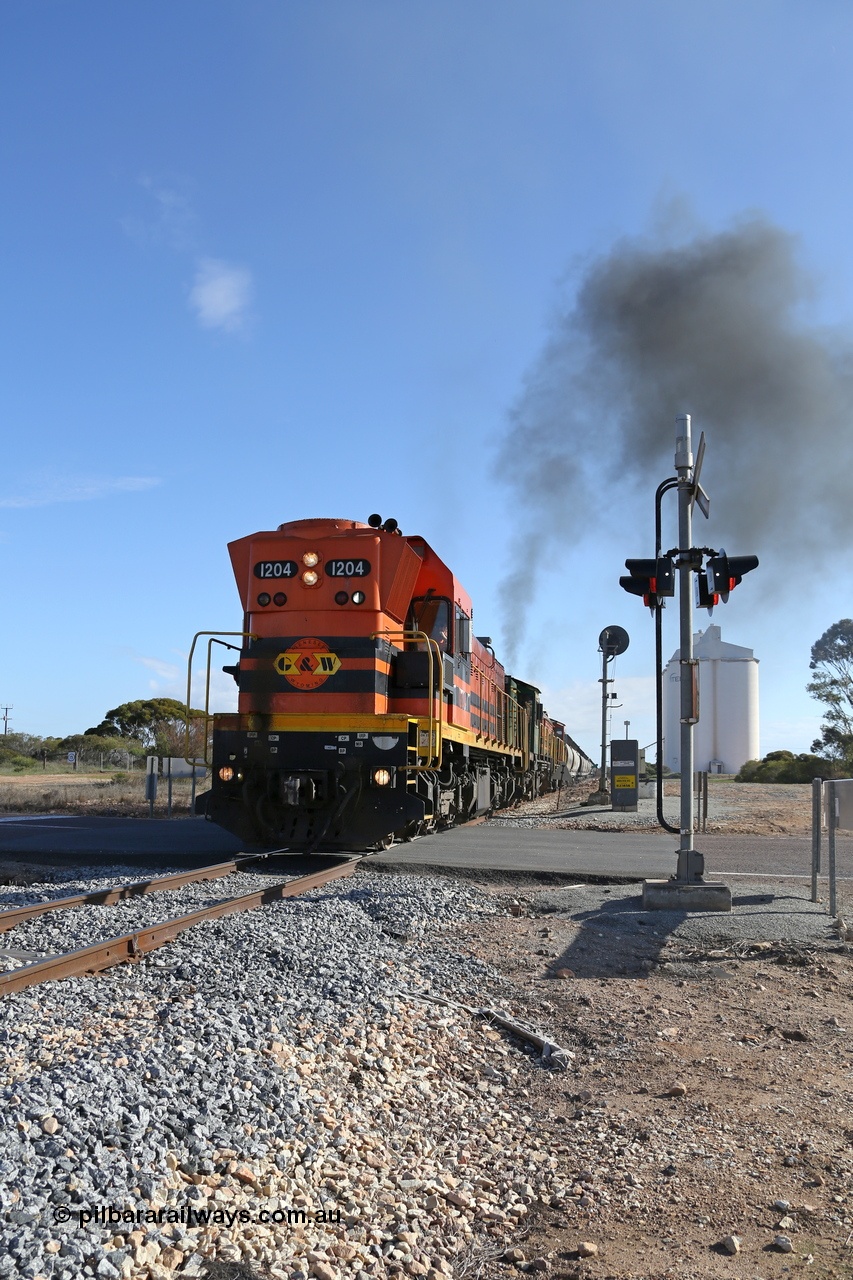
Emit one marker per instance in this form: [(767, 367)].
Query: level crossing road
[(631, 855)]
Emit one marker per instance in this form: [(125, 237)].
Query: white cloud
[(169, 680), (47, 490), (174, 224), (221, 294), (163, 670)]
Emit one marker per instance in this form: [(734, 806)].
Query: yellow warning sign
[(308, 663), (625, 780)]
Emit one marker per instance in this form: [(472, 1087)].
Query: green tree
[(159, 725), (137, 719), (832, 662), (92, 748), (23, 750)]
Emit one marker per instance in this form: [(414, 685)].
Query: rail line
[(105, 897), (135, 945)]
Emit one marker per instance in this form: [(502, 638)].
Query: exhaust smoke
[(716, 327)]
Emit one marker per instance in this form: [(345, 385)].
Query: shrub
[(784, 766), (17, 763)]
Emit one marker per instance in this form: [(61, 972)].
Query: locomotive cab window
[(463, 632), (432, 616)]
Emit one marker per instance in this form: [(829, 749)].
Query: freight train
[(368, 710)]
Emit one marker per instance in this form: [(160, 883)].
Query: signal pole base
[(680, 895)]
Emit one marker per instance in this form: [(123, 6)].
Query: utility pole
[(6, 711)]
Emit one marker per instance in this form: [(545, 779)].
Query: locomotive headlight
[(382, 777), (310, 578), (358, 597), (226, 773), (310, 559)]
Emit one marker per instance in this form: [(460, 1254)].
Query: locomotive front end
[(368, 710), (316, 756)]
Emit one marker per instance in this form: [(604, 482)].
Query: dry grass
[(116, 795)]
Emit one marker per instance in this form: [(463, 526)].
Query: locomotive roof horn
[(387, 526)]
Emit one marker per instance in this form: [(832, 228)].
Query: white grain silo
[(727, 733)]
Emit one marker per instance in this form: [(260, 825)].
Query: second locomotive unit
[(368, 710)]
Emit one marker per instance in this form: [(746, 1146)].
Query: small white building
[(727, 733)]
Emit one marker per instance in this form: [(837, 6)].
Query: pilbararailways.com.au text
[(108, 1215)]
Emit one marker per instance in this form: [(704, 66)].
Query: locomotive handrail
[(246, 635), (510, 729), (435, 666)]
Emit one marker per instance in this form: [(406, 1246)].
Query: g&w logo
[(308, 663)]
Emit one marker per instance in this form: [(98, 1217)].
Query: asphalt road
[(623, 855), (186, 842)]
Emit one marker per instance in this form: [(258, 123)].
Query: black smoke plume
[(715, 327)]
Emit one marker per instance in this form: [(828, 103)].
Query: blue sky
[(271, 260)]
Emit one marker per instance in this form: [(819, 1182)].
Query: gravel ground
[(312, 1089), (734, 808), (75, 927), (190, 1080)]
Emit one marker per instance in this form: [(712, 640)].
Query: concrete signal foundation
[(681, 895)]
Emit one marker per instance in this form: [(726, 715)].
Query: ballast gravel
[(304, 1089), (279, 1062)]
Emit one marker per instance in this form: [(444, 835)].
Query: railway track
[(133, 946)]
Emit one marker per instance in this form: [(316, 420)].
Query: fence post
[(831, 823), (151, 765), (817, 820)]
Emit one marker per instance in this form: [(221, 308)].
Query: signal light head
[(705, 597), (664, 576), (642, 581), (724, 572)]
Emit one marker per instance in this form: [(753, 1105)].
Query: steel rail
[(132, 946), (104, 897)]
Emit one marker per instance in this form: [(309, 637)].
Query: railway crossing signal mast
[(611, 642), (655, 581)]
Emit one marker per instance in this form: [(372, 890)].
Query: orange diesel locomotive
[(367, 708)]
